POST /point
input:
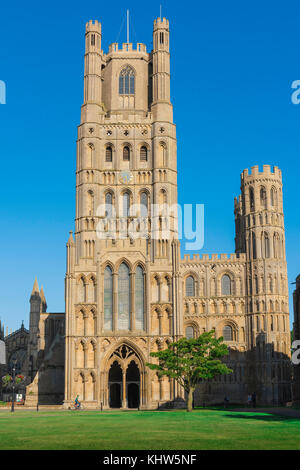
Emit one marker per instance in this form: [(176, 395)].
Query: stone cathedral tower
[(120, 266), (260, 234)]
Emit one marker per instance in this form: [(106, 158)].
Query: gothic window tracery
[(126, 81)]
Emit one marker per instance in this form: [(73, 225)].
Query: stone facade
[(127, 296)]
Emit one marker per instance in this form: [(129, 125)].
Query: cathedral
[(128, 292)]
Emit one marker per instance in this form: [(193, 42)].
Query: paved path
[(288, 412)]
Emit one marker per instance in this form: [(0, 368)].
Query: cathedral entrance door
[(133, 385), (115, 382), (115, 395), (133, 391)]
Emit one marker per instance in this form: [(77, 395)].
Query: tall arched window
[(226, 285), (126, 204), (253, 245), (108, 205), (143, 154), (123, 298), (256, 284), (190, 287), (276, 245), (90, 203), (263, 197), (108, 154), (227, 333), (273, 197), (189, 332), (144, 204), (139, 298), (251, 194), (126, 81), (265, 244), (126, 154), (162, 155), (108, 298)]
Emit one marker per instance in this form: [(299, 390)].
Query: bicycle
[(76, 407)]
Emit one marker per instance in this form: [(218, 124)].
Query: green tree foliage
[(189, 361)]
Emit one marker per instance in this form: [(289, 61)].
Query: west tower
[(121, 267)]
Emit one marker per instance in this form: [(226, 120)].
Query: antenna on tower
[(127, 26), (160, 12)]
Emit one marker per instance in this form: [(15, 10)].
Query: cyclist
[(77, 403)]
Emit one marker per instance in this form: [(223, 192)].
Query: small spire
[(35, 287), (71, 239), (42, 294), (43, 299)]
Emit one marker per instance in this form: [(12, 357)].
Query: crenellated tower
[(120, 264), (260, 234)]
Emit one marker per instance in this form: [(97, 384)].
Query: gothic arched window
[(126, 204), (108, 205), (251, 194), (123, 298), (263, 197), (265, 244), (253, 245), (108, 154), (226, 285), (143, 154), (126, 81), (108, 298), (189, 332), (190, 287), (126, 154), (227, 333), (144, 204), (139, 298), (273, 197)]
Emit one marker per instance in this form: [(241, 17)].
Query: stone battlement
[(214, 257), (266, 172), (93, 26), (161, 23), (126, 47)]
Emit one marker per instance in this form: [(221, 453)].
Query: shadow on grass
[(260, 417)]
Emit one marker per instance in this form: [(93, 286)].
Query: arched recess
[(162, 155), (117, 391), (191, 330), (90, 387), (81, 288), (229, 333), (155, 288)]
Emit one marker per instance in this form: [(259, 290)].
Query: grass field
[(149, 430)]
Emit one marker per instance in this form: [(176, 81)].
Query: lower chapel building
[(127, 296)]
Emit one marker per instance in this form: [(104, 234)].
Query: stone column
[(124, 402)]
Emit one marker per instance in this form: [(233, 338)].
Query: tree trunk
[(190, 399)]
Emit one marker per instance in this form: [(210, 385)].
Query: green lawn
[(150, 430)]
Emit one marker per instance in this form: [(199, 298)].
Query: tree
[(190, 360)]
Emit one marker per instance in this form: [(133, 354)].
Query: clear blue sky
[(232, 66)]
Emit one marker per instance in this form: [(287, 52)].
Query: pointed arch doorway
[(124, 378)]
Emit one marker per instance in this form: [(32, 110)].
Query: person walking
[(254, 399)]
